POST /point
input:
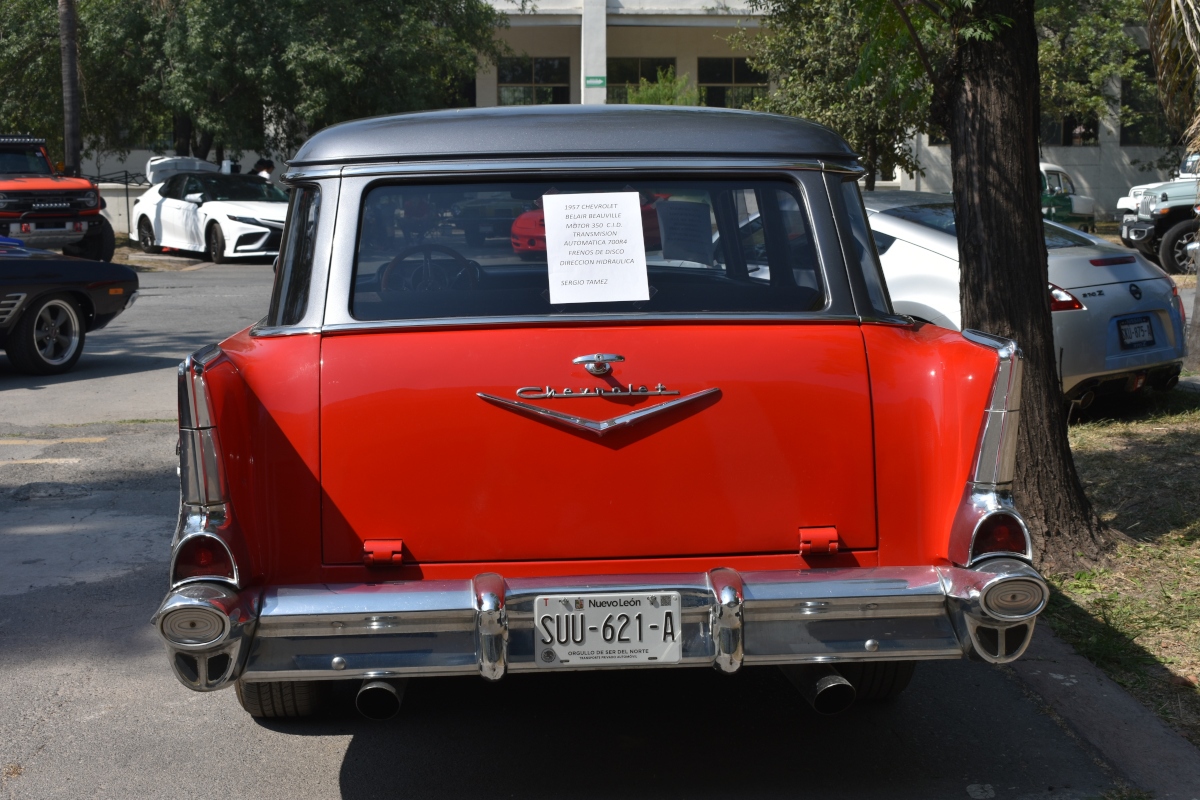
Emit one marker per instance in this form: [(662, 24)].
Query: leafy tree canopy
[(238, 74), (813, 51)]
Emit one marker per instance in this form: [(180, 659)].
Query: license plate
[(599, 630), (1136, 332)]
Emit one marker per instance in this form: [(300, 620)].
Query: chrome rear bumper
[(485, 625)]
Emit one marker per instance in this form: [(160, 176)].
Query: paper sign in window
[(686, 229), (594, 248)]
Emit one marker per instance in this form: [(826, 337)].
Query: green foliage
[(1084, 54), (113, 63), (669, 90), (239, 74), (813, 51)]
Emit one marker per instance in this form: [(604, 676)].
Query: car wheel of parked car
[(1171, 253), (48, 338), (875, 681), (146, 237), (98, 244), (279, 699), (216, 244)]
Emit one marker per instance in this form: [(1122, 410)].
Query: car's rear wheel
[(216, 244), (279, 699), (1172, 253), (146, 238), (48, 338), (876, 681)]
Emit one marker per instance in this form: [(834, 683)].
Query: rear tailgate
[(410, 451)]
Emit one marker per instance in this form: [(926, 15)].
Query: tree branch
[(912, 31)]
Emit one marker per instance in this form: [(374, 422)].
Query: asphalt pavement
[(89, 707)]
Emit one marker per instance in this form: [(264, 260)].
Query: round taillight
[(202, 557), (194, 626), (999, 533)]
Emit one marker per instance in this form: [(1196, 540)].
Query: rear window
[(481, 250), (940, 217)]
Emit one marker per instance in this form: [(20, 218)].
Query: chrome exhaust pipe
[(379, 700), (1170, 383), (825, 689), (1086, 399)]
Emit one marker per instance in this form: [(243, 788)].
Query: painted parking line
[(78, 440), (40, 461)]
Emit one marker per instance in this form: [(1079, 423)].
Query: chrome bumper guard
[(485, 625)]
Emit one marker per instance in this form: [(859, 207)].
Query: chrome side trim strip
[(997, 451), (260, 331)]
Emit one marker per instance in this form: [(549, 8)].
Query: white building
[(588, 51)]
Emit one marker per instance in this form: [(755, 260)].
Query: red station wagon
[(715, 447)]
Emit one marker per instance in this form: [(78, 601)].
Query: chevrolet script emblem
[(596, 427)]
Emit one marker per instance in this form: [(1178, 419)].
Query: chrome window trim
[(838, 302), (261, 331), (570, 321)]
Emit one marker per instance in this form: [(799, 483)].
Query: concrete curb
[(1128, 735)]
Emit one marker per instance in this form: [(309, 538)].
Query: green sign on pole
[(595, 81)]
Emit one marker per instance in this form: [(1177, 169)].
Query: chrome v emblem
[(596, 427)]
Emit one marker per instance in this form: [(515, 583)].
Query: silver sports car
[(1118, 319)]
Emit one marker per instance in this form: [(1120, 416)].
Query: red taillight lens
[(1062, 300), (998, 533), (202, 556), (1112, 261)]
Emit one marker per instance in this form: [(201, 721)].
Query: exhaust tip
[(833, 694), (379, 700), (825, 689), (1086, 399), (1170, 383)]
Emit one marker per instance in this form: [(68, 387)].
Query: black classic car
[(50, 302)]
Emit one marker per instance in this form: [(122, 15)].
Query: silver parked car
[(1118, 319)]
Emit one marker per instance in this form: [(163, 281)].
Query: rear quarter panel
[(929, 389)]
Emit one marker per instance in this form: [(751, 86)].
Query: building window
[(1069, 131), (729, 82), (534, 81), (626, 72)]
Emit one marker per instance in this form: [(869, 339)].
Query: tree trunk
[(991, 107), (202, 145), (72, 139), (871, 162), (183, 135)]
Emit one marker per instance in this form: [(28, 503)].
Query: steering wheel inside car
[(428, 274)]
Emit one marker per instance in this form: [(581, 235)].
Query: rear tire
[(878, 681), (279, 699), (48, 338), (1171, 254)]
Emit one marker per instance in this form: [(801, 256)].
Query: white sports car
[(1118, 319), (222, 216)]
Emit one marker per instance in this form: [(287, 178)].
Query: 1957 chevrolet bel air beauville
[(686, 431)]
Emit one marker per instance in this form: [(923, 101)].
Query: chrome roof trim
[(368, 326), (530, 167), (259, 331)]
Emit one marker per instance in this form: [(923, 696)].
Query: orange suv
[(46, 209)]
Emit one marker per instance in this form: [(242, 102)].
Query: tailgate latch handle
[(818, 541), (383, 552)]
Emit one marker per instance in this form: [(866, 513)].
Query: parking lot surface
[(89, 707)]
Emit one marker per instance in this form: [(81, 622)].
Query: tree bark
[(72, 138), (183, 135), (991, 109), (202, 145), (871, 163)]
